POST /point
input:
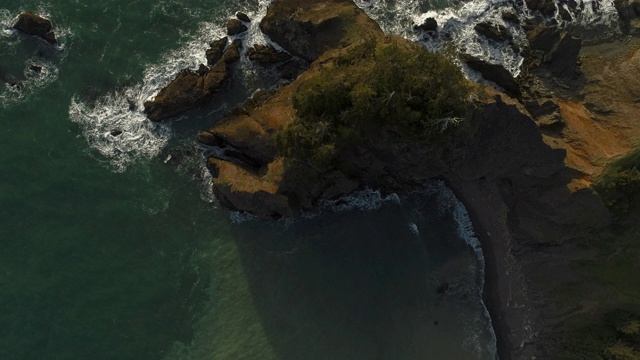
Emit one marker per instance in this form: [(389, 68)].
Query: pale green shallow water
[(108, 252)]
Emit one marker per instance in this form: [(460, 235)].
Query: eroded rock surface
[(36, 25), (191, 89)]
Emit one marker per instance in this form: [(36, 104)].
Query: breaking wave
[(115, 123), (457, 19)]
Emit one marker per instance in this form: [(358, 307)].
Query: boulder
[(430, 24), (33, 24), (243, 17), (494, 32), (235, 27), (493, 72), (216, 49), (510, 16), (267, 55)]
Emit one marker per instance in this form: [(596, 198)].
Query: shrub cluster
[(374, 89)]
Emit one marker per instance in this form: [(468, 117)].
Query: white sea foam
[(141, 138), (456, 26), (16, 89)]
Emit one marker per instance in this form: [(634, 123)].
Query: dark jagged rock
[(558, 48), (493, 72), (216, 49), (235, 27), (546, 113), (308, 36), (494, 32), (511, 17), (116, 132), (267, 55), (243, 17), (35, 68), (33, 24), (191, 89), (629, 11), (545, 7), (430, 24)]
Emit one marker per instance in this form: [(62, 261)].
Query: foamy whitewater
[(122, 111)]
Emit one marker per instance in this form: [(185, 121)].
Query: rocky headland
[(537, 159)]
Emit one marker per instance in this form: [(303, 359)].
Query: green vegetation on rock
[(395, 93), (620, 185)]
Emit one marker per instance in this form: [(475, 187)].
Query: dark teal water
[(112, 248)]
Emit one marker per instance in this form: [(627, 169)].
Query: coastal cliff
[(535, 165)]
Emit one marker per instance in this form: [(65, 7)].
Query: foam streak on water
[(122, 111)]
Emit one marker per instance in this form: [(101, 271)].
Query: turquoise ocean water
[(113, 248)]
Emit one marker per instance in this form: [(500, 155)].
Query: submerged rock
[(33, 24)]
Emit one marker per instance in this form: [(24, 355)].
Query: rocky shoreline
[(524, 168)]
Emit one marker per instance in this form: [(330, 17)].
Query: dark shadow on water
[(356, 284)]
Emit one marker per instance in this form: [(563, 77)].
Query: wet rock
[(243, 17), (235, 27), (35, 68), (510, 16), (564, 14), (430, 24), (33, 24), (116, 132), (191, 89), (493, 72), (232, 54), (494, 32), (267, 55), (216, 49), (545, 7)]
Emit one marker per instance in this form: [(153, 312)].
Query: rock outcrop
[(267, 55), (493, 72), (191, 89), (312, 27), (36, 25)]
